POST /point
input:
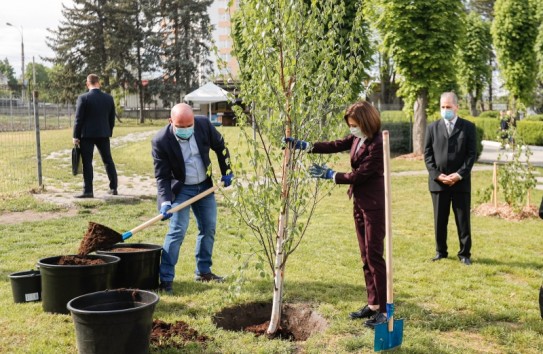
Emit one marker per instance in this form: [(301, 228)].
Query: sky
[(34, 16)]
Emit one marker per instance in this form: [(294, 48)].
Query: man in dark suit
[(183, 170), (449, 154), (93, 126)]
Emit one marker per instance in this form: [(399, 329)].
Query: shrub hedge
[(529, 130)]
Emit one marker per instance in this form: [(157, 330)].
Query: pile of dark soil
[(79, 260), (175, 335), (98, 237), (260, 329)]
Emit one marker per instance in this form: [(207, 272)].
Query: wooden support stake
[(495, 183)]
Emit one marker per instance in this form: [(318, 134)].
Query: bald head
[(182, 116)]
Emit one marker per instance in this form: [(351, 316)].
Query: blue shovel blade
[(385, 340)]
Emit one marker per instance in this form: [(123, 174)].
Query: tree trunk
[(419, 126), (490, 86), (279, 267), (472, 105)]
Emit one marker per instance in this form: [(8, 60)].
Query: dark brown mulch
[(175, 335), (98, 237), (260, 329), (79, 260)]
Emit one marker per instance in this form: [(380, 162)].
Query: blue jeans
[(205, 211)]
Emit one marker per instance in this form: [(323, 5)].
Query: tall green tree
[(475, 53), (422, 38), (187, 34), (42, 80), (301, 63), (485, 8), (84, 39), (9, 73), (514, 32)]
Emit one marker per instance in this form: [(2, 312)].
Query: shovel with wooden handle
[(388, 335), (176, 208)]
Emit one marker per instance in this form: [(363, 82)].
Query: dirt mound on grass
[(175, 335), (505, 211)]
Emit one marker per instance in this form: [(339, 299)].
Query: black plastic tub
[(113, 321), (61, 283), (26, 286), (138, 269)]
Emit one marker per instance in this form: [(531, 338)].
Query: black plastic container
[(137, 269), (61, 283), (26, 286), (114, 321)]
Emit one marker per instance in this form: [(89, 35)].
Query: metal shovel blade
[(386, 340)]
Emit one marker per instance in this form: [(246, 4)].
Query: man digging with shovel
[(183, 170)]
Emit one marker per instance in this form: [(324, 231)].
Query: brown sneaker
[(209, 277)]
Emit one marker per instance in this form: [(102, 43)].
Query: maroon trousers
[(370, 231)]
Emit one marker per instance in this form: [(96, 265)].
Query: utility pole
[(22, 60)]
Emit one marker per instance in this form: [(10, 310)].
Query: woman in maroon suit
[(367, 189)]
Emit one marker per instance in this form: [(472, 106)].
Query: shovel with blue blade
[(388, 335)]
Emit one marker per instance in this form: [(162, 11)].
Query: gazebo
[(209, 93)]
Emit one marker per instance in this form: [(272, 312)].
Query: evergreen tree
[(185, 50)]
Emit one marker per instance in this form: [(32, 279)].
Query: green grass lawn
[(490, 307)]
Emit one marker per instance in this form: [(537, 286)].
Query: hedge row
[(530, 131)]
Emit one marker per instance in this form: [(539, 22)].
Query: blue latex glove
[(227, 179), (164, 211), (319, 171), (296, 144)]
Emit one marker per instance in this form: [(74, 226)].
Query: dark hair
[(365, 115), (93, 79)]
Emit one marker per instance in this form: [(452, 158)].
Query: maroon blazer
[(366, 180)]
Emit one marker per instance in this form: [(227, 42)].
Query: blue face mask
[(184, 133), (447, 114)]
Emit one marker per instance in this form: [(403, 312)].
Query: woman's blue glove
[(164, 211), (319, 171), (296, 144), (227, 179)]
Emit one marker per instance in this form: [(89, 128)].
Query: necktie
[(450, 127)]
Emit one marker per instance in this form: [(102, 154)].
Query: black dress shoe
[(465, 260), (209, 277), (376, 319), (112, 192), (84, 195), (166, 287), (438, 257), (364, 312)]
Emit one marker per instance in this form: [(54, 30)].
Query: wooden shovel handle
[(175, 209), (388, 223)]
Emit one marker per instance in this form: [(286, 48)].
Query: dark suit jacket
[(168, 159), (94, 115), (443, 154), (366, 178)]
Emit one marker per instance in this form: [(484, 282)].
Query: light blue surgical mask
[(357, 132), (447, 114), (184, 133)]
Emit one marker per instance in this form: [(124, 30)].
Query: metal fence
[(18, 140)]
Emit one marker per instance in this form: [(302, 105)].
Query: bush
[(535, 117), (489, 114), (400, 136), (531, 132), (394, 116)]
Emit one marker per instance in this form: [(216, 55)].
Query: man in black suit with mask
[(449, 154), (93, 126)]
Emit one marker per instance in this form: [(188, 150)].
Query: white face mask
[(357, 132)]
